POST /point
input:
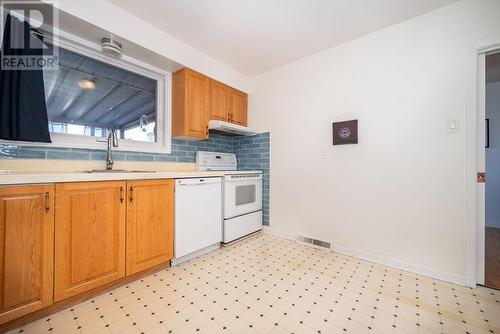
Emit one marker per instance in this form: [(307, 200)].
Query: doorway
[(492, 169)]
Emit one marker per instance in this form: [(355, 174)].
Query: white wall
[(107, 16), (398, 196), (493, 156)]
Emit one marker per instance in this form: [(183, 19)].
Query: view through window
[(89, 97)]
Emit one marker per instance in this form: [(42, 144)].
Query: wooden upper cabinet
[(190, 104), (89, 236), (26, 249), (150, 224), (238, 107), (196, 99), (227, 104), (219, 101)]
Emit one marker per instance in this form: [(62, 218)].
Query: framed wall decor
[(345, 132)]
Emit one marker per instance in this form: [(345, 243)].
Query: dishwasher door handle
[(198, 182)]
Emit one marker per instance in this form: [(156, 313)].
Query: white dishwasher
[(198, 216)]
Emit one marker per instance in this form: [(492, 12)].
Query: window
[(91, 94), (245, 194), (143, 132), (85, 94)]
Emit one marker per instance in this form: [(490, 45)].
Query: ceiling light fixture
[(86, 84)]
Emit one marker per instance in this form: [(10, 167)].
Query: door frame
[(474, 160)]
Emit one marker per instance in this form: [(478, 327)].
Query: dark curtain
[(23, 112)]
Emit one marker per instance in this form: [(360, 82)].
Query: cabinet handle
[(131, 194), (121, 194), (206, 130), (47, 204)]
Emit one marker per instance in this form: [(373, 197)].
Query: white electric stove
[(242, 194)]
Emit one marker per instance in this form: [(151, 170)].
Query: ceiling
[(120, 97), (75, 26), (493, 68), (255, 36)]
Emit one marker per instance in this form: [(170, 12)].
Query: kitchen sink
[(119, 171)]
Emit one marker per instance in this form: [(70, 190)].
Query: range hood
[(230, 128)]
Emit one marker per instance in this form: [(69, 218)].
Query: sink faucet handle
[(115, 138)]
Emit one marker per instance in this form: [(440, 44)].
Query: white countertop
[(18, 177)]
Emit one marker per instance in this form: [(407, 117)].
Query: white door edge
[(474, 148)]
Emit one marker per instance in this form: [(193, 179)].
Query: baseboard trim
[(401, 265), (397, 264)]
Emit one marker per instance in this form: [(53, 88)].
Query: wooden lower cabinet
[(61, 241), (150, 223), (89, 236), (26, 249)]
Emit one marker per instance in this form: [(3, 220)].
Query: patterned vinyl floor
[(269, 285)]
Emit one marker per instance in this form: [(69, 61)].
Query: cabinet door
[(26, 249), (219, 96), (238, 107), (89, 235), (197, 104), (149, 223)]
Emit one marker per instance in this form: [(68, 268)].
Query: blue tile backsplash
[(252, 152)]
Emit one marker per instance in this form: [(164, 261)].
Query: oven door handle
[(242, 179)]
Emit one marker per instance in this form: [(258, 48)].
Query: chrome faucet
[(112, 142)]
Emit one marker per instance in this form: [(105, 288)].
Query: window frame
[(163, 103)]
